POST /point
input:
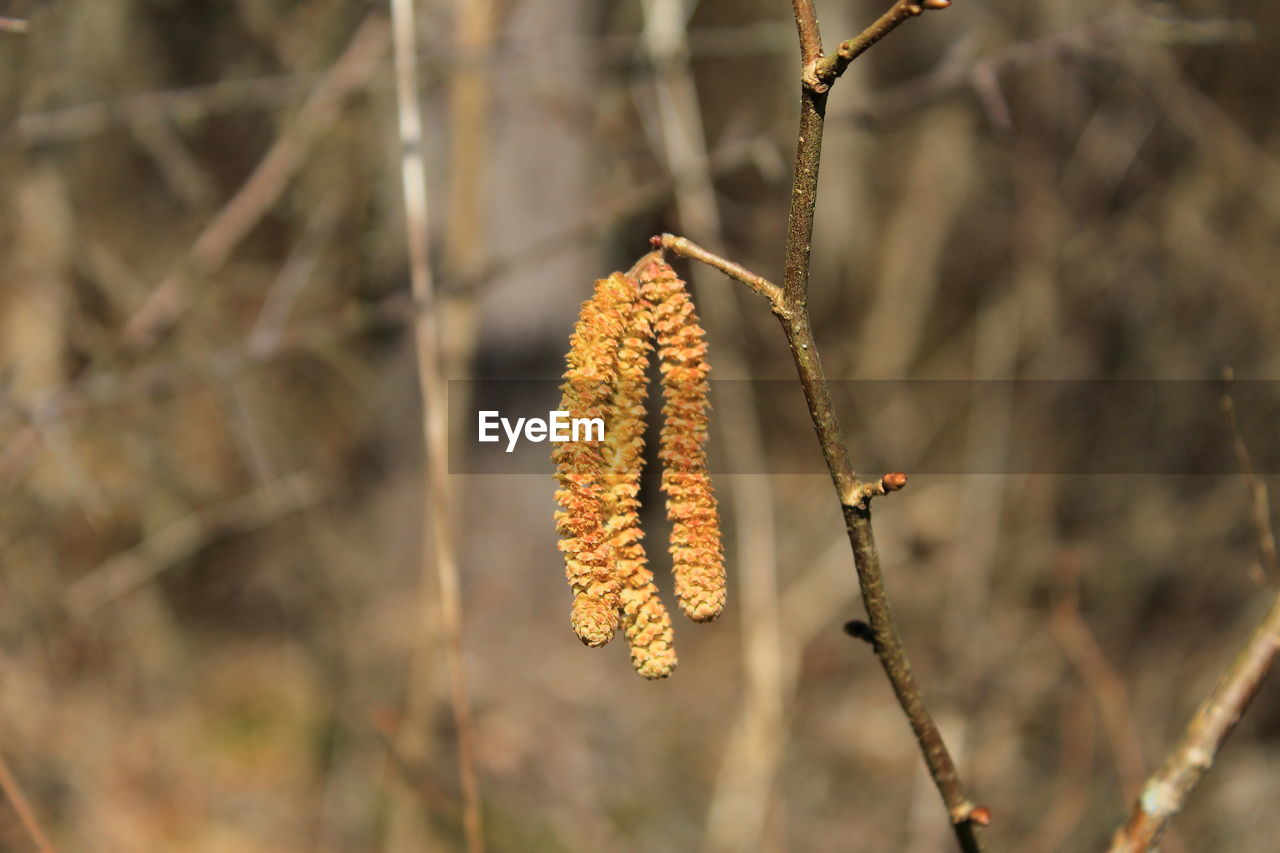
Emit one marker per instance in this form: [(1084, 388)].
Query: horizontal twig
[(688, 249)]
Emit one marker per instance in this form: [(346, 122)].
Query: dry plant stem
[(687, 249), (857, 514), (1166, 791), (807, 26), (22, 807), (794, 316), (826, 69), (436, 497)]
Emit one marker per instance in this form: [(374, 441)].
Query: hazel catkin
[(696, 551), (590, 562), (645, 618)]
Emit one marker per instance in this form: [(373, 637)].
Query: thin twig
[(437, 497), (810, 36), (688, 249), (821, 72), (1166, 791), (22, 807), (857, 513)]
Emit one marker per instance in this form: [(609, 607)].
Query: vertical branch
[(437, 499), (807, 25), (795, 323)]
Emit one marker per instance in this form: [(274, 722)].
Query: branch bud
[(893, 481)]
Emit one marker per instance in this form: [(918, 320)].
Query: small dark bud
[(859, 629)]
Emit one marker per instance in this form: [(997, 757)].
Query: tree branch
[(1167, 789), (688, 249), (790, 305), (804, 350), (807, 25), (821, 73), (437, 492)]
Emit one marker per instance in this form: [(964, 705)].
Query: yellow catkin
[(590, 562), (645, 619), (696, 551)]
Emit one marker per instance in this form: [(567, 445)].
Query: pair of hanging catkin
[(599, 494)]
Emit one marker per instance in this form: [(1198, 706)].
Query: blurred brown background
[(210, 433)]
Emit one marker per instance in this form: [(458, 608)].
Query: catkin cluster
[(599, 494)]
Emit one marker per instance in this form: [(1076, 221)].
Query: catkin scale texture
[(696, 552), (590, 561), (645, 618)]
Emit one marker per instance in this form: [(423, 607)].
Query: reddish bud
[(981, 815), (893, 481), (935, 4)]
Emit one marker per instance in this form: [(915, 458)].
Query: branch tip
[(824, 70), (893, 481), (861, 494)]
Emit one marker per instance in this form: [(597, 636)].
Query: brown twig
[(688, 249), (793, 314), (22, 807), (822, 71), (791, 309), (807, 26), (1166, 791), (440, 551)]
